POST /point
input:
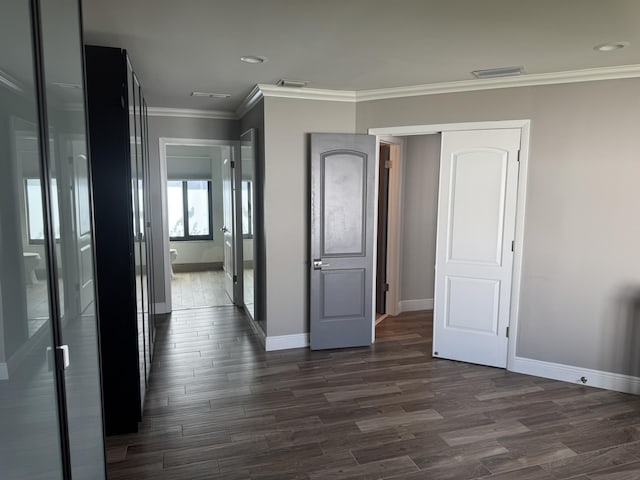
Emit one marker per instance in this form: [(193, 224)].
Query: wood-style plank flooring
[(198, 289), (219, 407)]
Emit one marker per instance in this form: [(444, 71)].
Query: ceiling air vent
[(498, 72), (291, 83), (210, 95)]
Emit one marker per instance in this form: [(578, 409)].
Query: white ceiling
[(177, 47)]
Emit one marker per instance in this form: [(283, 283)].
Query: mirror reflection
[(247, 159)]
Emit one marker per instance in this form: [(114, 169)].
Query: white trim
[(374, 269), (415, 305), (4, 371), (409, 130), (190, 113), (165, 245), (249, 102), (161, 307), (394, 232), (308, 93), (569, 373), (528, 80), (285, 342), (516, 275)]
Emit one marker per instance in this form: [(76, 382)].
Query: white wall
[(420, 207)]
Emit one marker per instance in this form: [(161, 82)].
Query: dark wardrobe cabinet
[(119, 161)]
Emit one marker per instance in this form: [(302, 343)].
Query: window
[(247, 214), (35, 217), (190, 210)]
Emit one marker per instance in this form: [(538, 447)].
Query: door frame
[(163, 142), (525, 128), (394, 214)]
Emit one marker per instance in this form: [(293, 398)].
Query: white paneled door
[(474, 253)]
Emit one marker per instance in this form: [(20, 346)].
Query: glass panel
[(29, 426), (137, 234), (143, 279), (70, 170), (147, 210), (247, 215), (247, 163), (198, 207), (35, 216), (343, 204), (176, 208)]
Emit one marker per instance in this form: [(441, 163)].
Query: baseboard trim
[(196, 267), (4, 371), (571, 374), (285, 342), (161, 307), (414, 305)]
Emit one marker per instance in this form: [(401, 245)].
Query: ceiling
[(178, 47)]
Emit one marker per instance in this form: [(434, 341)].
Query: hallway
[(219, 407)]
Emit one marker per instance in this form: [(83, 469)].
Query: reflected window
[(247, 219), (35, 217), (190, 216)]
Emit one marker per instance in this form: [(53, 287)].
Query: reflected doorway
[(197, 224), (247, 200)]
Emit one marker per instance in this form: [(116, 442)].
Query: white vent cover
[(498, 72), (291, 83)]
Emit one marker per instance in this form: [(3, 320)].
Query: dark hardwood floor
[(219, 407)]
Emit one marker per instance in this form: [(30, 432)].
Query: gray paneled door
[(341, 265)]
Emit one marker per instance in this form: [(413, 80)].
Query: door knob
[(224, 229), (317, 264)]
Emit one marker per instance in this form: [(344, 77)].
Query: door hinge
[(507, 331), (235, 279), (513, 245), (518, 157), (233, 164), (387, 164), (386, 287)]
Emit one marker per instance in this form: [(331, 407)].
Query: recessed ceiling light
[(498, 72), (253, 59), (610, 47), (210, 95)]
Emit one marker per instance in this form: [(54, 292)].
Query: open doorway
[(195, 222), (469, 221), (389, 201)]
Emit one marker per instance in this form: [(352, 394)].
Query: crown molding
[(250, 101), (527, 80), (308, 93), (354, 96), (190, 113)]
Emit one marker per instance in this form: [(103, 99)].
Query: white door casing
[(228, 227), (477, 200)]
